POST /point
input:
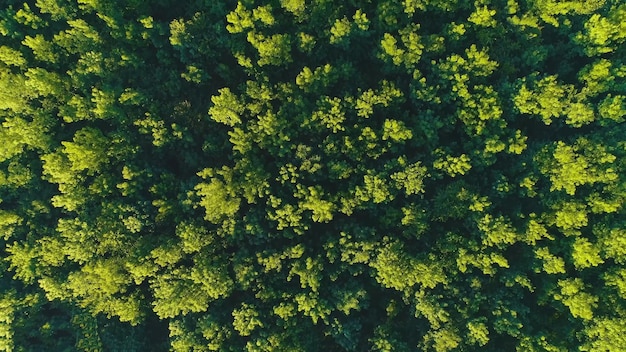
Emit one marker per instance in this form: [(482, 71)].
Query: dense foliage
[(310, 175)]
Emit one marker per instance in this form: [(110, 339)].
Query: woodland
[(312, 175)]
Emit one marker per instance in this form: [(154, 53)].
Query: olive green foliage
[(308, 175)]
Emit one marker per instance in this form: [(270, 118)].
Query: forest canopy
[(313, 175)]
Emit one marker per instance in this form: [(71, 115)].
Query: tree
[(300, 176)]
